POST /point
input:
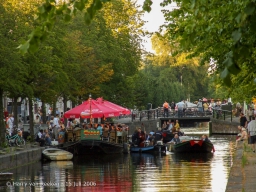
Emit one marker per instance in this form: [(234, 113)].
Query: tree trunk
[(44, 112), (2, 124), (15, 111), (54, 109), (65, 108), (31, 119)]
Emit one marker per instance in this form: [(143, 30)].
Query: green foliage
[(222, 32)]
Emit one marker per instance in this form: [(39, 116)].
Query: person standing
[(49, 114), (249, 113), (200, 105), (173, 108), (252, 133), (238, 109), (243, 120), (56, 126), (166, 108), (180, 106), (10, 123)]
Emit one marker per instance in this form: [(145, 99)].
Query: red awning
[(91, 109), (113, 106)]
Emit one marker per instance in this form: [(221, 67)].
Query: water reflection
[(133, 172)]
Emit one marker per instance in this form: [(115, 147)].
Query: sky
[(154, 18)]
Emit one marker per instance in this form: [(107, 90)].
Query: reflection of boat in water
[(192, 157), (61, 164), (55, 154)]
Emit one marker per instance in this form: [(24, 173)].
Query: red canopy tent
[(91, 109), (113, 106)]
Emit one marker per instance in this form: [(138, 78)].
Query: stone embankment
[(13, 157), (242, 176)]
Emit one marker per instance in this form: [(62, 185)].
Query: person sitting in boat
[(206, 139), (175, 139), (158, 136), (244, 136), (150, 139), (179, 132)]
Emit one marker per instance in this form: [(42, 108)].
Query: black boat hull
[(197, 146)]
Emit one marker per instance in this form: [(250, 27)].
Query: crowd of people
[(180, 108), (247, 129)]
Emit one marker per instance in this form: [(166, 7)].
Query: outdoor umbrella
[(114, 106), (91, 109)]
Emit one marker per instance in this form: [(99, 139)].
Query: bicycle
[(17, 138)]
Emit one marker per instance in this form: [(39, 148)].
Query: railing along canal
[(222, 114), (159, 113)]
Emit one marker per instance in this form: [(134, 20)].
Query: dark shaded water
[(132, 172)]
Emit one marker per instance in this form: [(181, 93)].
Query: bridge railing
[(159, 113), (222, 114)]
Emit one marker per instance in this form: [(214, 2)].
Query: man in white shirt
[(10, 123), (252, 133), (49, 114), (40, 137), (56, 126), (181, 106)]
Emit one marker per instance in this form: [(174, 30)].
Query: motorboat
[(158, 148), (55, 154), (189, 144)]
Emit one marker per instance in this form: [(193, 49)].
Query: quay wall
[(224, 127), (18, 157)]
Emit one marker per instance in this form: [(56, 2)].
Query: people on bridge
[(200, 105), (173, 108), (180, 106), (166, 108)]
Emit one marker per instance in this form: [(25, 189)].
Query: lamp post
[(90, 98), (181, 76)]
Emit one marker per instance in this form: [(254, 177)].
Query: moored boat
[(55, 154), (149, 149), (193, 145)]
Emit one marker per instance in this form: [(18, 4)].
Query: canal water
[(132, 172)]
